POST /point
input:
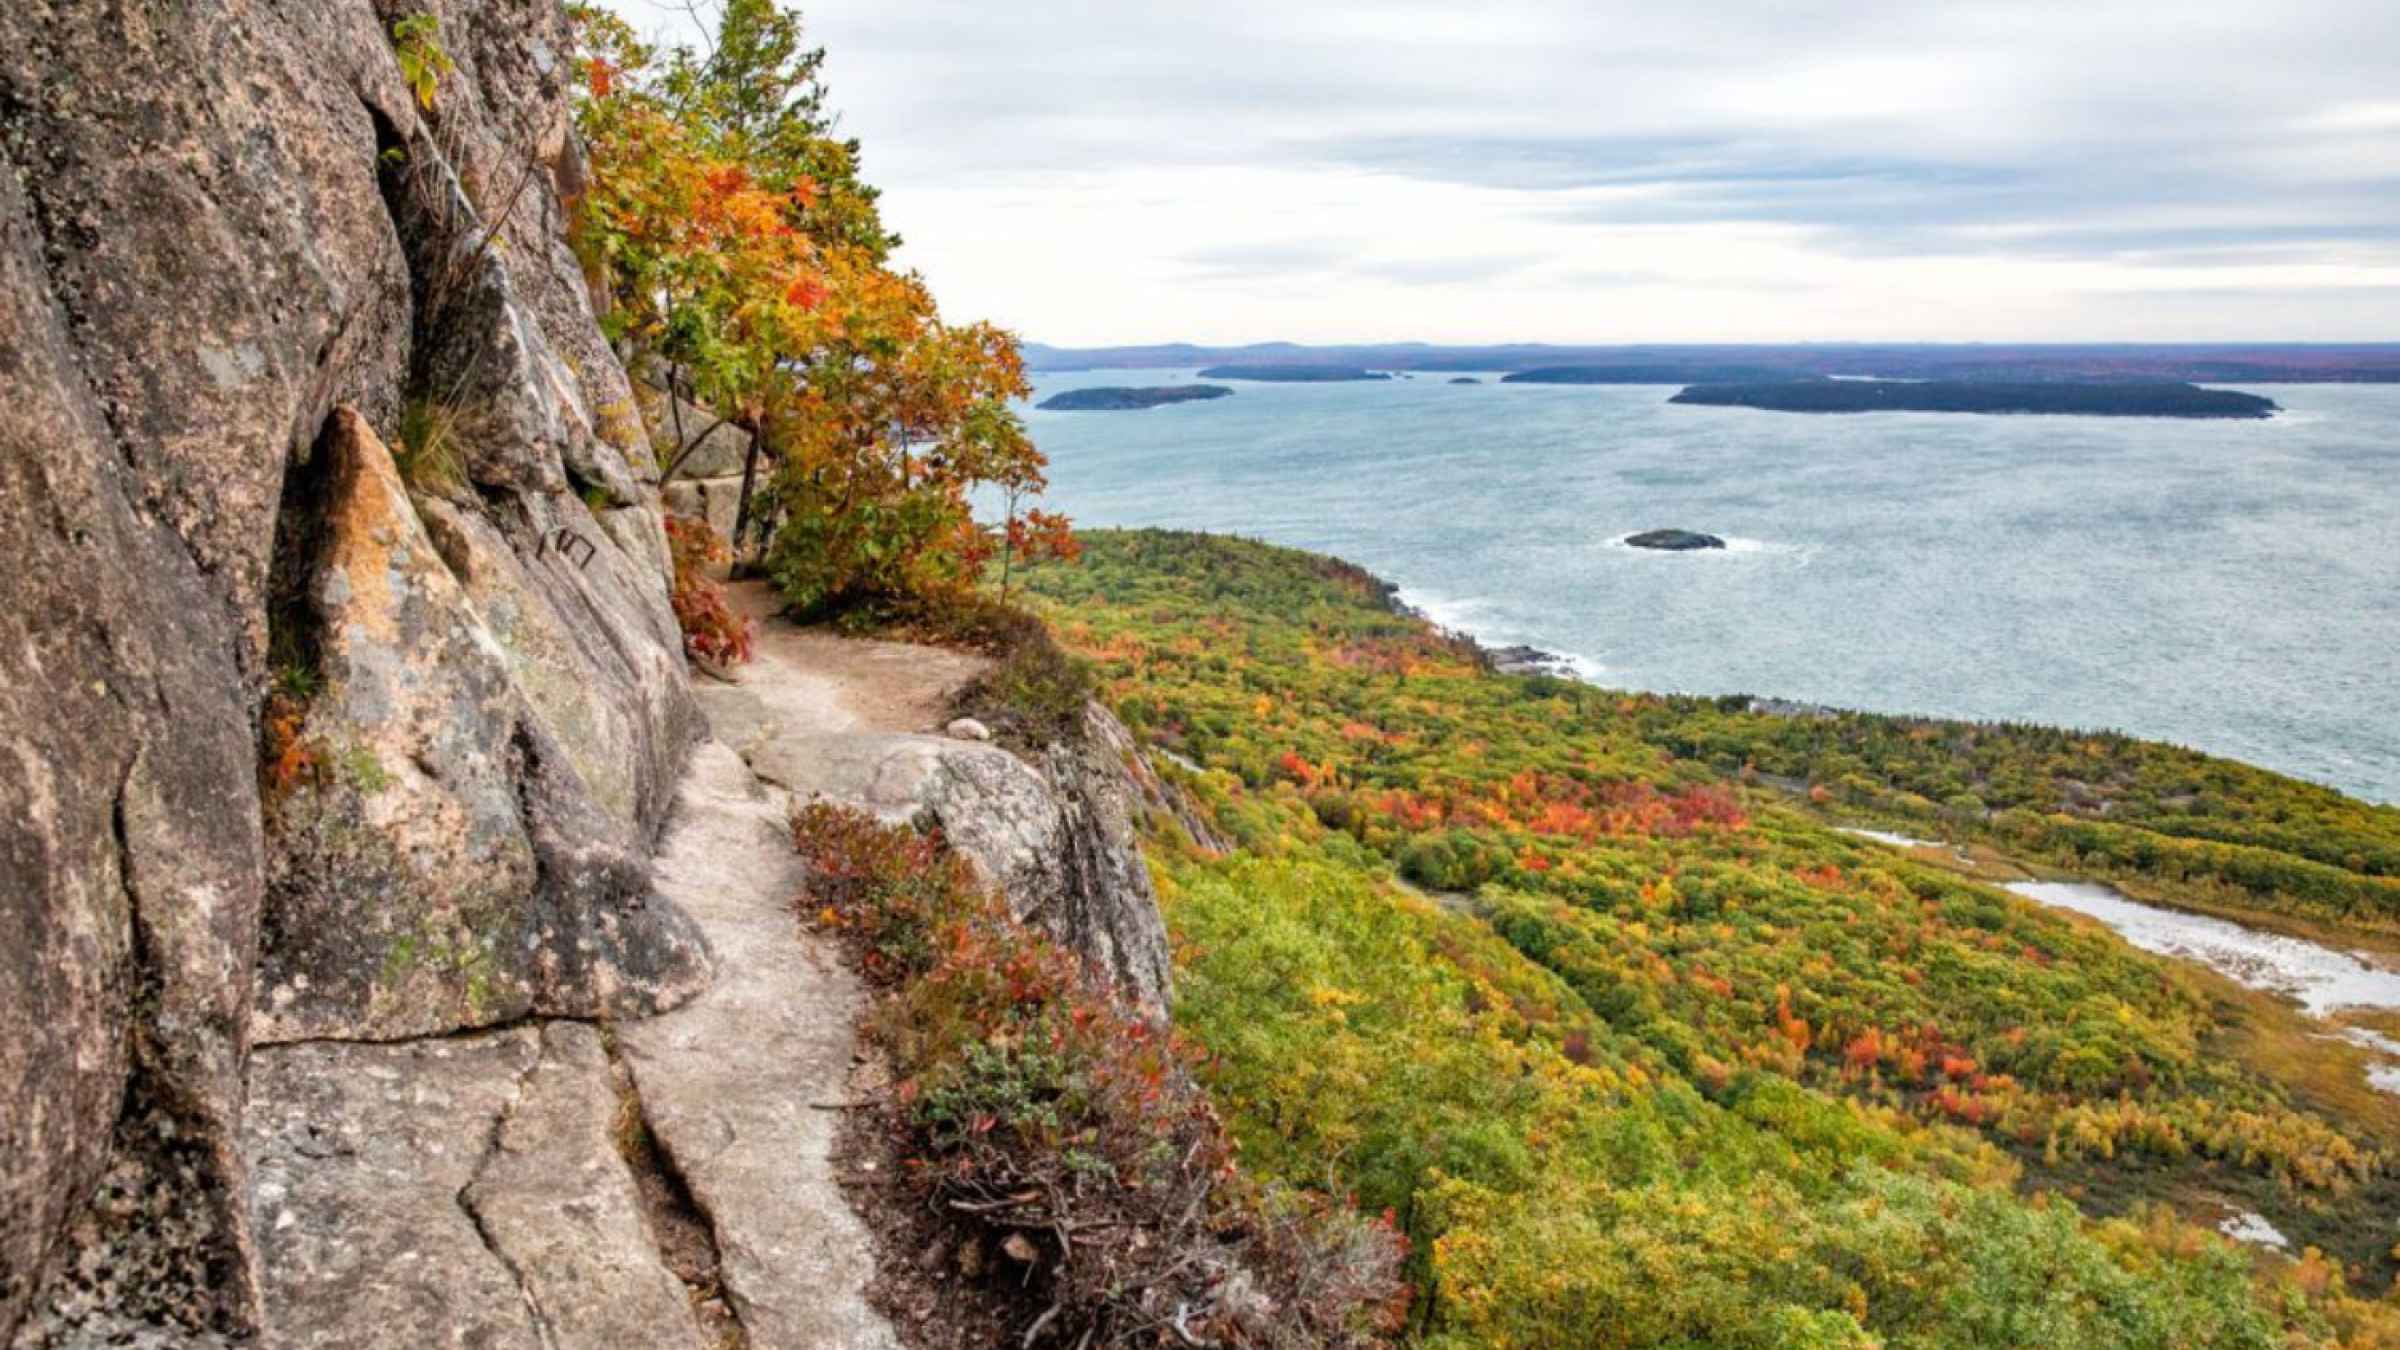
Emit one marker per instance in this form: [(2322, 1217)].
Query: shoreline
[(1520, 658)]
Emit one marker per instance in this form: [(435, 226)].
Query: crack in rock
[(494, 1142), (554, 1200), (680, 1227)]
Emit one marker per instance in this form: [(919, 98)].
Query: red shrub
[(711, 630)]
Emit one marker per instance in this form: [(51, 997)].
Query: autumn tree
[(742, 251)]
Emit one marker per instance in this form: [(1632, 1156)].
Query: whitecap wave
[(1580, 667), (1443, 610)]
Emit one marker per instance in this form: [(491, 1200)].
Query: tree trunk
[(741, 511)]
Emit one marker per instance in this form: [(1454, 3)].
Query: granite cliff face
[(343, 713), (232, 248)]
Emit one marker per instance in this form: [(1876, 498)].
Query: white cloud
[(1558, 170)]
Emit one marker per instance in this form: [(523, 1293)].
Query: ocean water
[(2233, 586)]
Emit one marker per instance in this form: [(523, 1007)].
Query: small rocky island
[(2122, 398), (1292, 374), (1124, 398), (1674, 541), (1466, 379)]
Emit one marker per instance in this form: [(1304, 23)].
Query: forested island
[(2146, 398), (1291, 374), (1122, 398)]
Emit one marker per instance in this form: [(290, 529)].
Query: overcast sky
[(1600, 171)]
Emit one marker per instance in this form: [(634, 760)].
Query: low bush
[(1063, 1126), (1033, 697)]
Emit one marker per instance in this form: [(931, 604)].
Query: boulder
[(717, 447), (1521, 660), (715, 500)]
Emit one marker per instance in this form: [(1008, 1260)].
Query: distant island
[(1466, 379), (1674, 541), (1122, 398), (1292, 374), (2148, 398), (1643, 373)]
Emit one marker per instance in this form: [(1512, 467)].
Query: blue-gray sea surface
[(2229, 585)]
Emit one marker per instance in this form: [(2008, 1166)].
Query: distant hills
[(1670, 363), (1653, 373), (1291, 372)]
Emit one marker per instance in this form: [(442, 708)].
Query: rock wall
[(220, 222)]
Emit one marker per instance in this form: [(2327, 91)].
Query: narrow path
[(736, 1085), (814, 682), (474, 1190), (741, 1087)]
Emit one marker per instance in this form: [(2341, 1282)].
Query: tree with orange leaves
[(741, 250)]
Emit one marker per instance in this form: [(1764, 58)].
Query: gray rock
[(201, 256), (1104, 904), (555, 1203), (506, 131), (457, 1192), (733, 1082), (717, 447), (1674, 541), (884, 774), (715, 500), (360, 1156), (1059, 840), (737, 716), (614, 695), (1522, 660), (1784, 707), (968, 729), (451, 866)]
